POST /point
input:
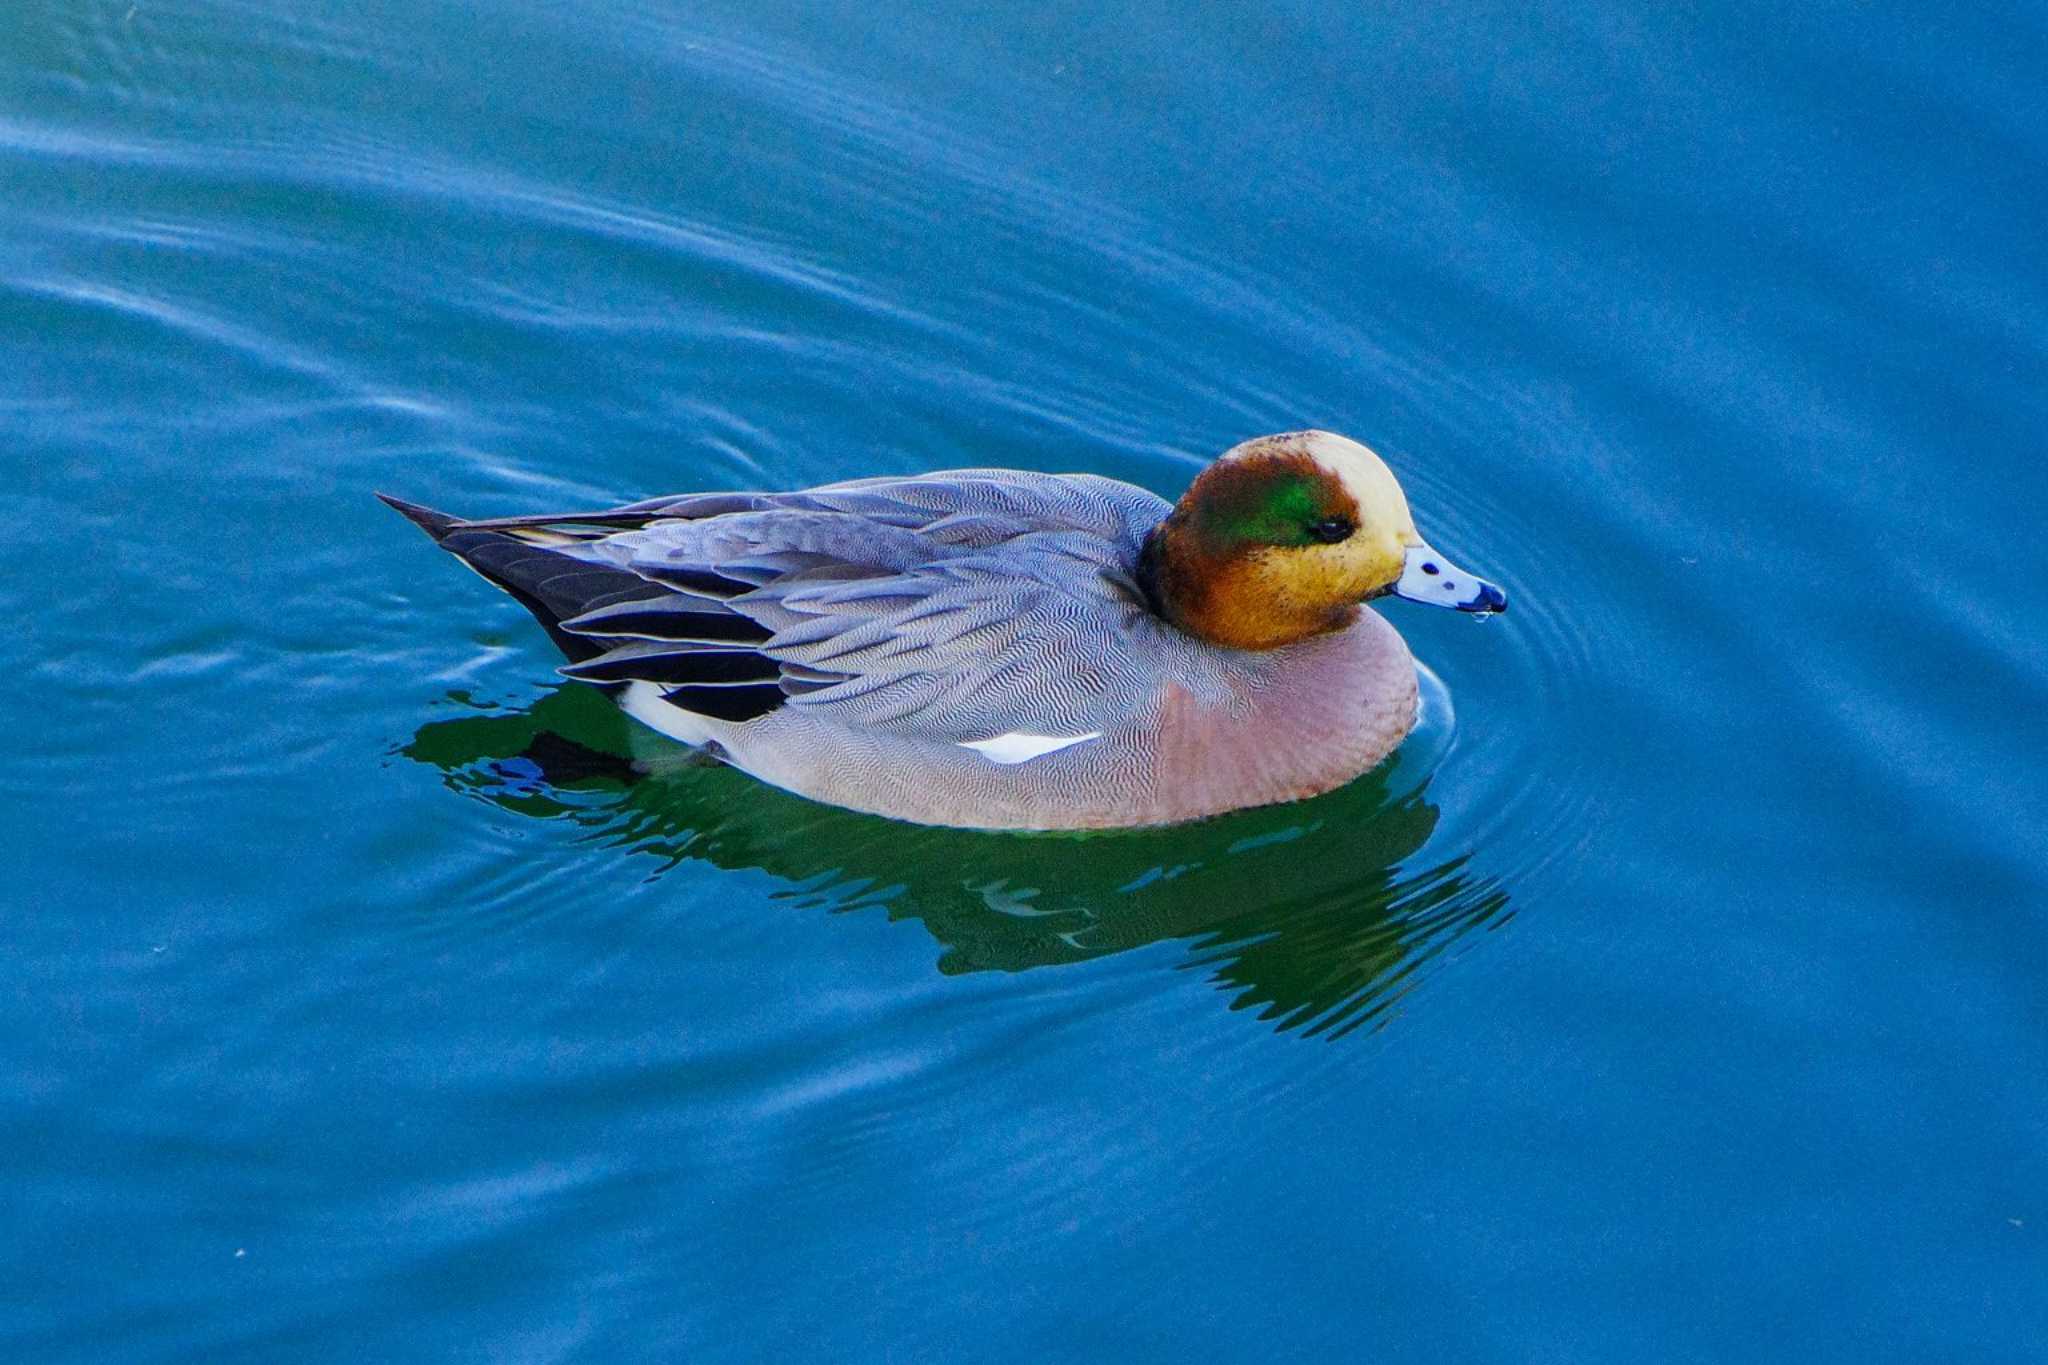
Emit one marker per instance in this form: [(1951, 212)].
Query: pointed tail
[(553, 586)]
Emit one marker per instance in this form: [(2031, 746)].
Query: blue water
[(1679, 994)]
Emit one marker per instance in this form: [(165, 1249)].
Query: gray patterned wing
[(963, 508), (953, 606)]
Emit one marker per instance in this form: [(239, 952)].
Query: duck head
[(1284, 536)]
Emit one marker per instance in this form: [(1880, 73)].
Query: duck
[(1000, 649)]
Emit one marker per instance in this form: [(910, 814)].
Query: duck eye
[(1331, 531)]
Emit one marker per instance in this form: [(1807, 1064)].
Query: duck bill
[(1427, 576)]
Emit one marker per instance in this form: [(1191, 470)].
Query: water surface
[(1677, 993)]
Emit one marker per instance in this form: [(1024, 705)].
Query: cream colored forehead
[(1365, 476)]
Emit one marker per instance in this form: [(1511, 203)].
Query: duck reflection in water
[(1317, 916)]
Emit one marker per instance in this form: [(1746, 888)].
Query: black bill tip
[(1490, 601)]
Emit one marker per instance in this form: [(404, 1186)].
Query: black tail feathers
[(552, 585)]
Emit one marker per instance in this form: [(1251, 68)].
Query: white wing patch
[(1019, 746)]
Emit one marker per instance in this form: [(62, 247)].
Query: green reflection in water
[(1310, 915)]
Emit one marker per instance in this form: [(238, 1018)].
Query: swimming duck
[(995, 649)]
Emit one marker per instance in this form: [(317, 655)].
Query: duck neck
[(1227, 600)]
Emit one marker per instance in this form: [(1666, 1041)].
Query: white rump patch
[(1019, 746), (643, 702)]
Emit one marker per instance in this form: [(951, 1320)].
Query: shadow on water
[(1310, 914)]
